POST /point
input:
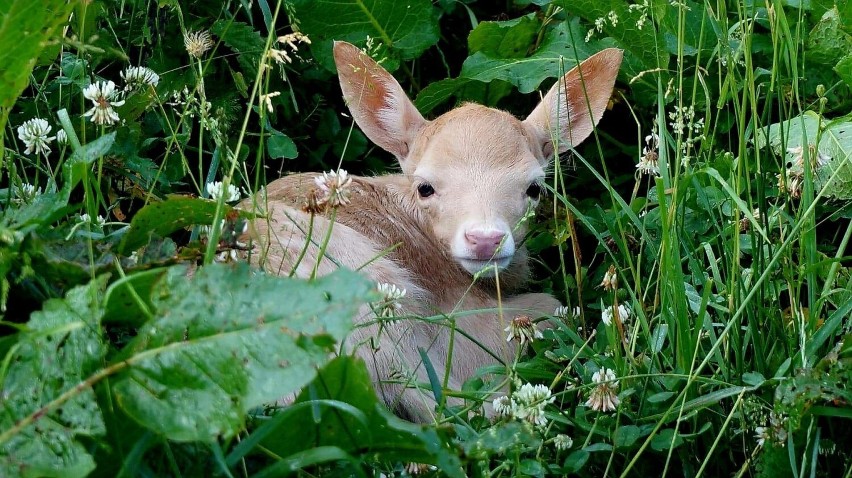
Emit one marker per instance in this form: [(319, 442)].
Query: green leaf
[(229, 340), (835, 142), (382, 437), (627, 435), (62, 346), (244, 40), (509, 39), (658, 337), (562, 45), (499, 439), (26, 27), (406, 28), (279, 145), (755, 379), (843, 68), (127, 300), (645, 50), (576, 460), (665, 439), (163, 218), (827, 43), (660, 397)]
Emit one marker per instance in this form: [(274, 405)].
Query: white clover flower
[(267, 100), (61, 137), (99, 221), (502, 406), (564, 313), (104, 95), (562, 442), (522, 329), (529, 402), (215, 191), (35, 135), (607, 314), (139, 77), (761, 434), (603, 397), (390, 305), (26, 193), (334, 187), (648, 160), (610, 279), (197, 43)]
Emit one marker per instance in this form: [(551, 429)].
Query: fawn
[(448, 229)]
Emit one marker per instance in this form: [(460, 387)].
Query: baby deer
[(448, 229)]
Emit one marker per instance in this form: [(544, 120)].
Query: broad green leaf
[(827, 43), (843, 68), (244, 40), (835, 142), (627, 435), (228, 340), (576, 461), (128, 300), (61, 348), (279, 145), (561, 48), (755, 379), (160, 219), (665, 439), (405, 28), (382, 437), (509, 39), (501, 438), (645, 50), (26, 27)]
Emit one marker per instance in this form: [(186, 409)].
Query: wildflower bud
[(820, 90)]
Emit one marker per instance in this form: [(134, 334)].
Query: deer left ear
[(377, 101), (575, 104)]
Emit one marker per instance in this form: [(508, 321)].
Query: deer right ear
[(377, 102), (574, 105)]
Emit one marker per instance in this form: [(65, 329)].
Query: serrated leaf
[(25, 29), (160, 219), (229, 340), (372, 434), (406, 28), (244, 40), (62, 347)]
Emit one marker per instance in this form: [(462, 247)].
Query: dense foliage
[(698, 240)]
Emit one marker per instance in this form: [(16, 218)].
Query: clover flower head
[(35, 134), (139, 77), (522, 329), (104, 96), (197, 43), (390, 305), (334, 187), (603, 397), (215, 190)]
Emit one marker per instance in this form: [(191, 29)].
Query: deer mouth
[(475, 265)]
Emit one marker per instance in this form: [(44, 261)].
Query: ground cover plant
[(698, 240)]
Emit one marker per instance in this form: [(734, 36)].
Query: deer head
[(475, 172)]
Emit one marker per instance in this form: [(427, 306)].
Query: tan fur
[(480, 162)]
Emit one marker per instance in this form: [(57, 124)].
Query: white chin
[(486, 268)]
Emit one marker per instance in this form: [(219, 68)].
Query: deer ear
[(377, 102), (575, 104)]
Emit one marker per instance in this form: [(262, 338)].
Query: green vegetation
[(698, 240)]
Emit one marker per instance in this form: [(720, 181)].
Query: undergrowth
[(698, 240)]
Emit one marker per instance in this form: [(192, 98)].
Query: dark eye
[(534, 191), (425, 190)]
